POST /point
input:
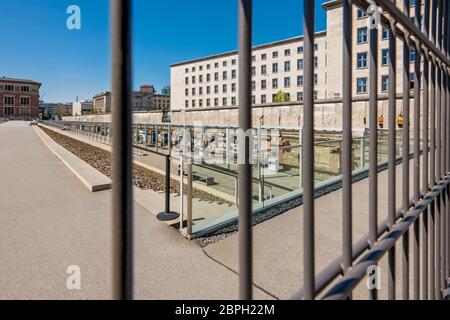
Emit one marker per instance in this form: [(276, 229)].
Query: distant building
[(166, 91), (144, 100), (19, 98), (63, 110), (82, 107)]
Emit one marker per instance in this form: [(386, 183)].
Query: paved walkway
[(49, 221)]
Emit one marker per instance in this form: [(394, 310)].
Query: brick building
[(19, 98)]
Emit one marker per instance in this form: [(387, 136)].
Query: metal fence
[(425, 212)]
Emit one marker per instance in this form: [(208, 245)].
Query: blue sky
[(37, 45)]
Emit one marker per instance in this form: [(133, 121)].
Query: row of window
[(263, 70), (263, 100), (287, 53), (361, 84), (10, 101), (362, 58), (362, 35), (275, 85), (10, 87)]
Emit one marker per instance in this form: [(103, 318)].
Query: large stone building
[(82, 107), (144, 100), (19, 98), (278, 66)]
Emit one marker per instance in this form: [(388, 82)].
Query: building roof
[(258, 47), (5, 79), (329, 4)]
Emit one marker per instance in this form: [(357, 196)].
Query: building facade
[(82, 107), (278, 67), (19, 98), (144, 100)]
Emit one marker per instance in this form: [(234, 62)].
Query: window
[(186, 70), (253, 85), (233, 87), (233, 74), (361, 60), (384, 57), (275, 54), (316, 78), (186, 92), (216, 102), (200, 103), (224, 88), (9, 101), (300, 96), (216, 65), (233, 101), (264, 56), (287, 52), (412, 55), (299, 81), (300, 64), (193, 79), (208, 77), (299, 50), (316, 95), (287, 66), (216, 89), (208, 102), (253, 71), (186, 80), (361, 85), (362, 35), (9, 87), (193, 69), (384, 83), (224, 75), (263, 84), (263, 69), (263, 99), (200, 91), (274, 67), (193, 91), (385, 33), (316, 46), (253, 100), (200, 78), (224, 63), (25, 88), (253, 58), (411, 81), (361, 14), (193, 103), (200, 68), (186, 103), (208, 66), (224, 102), (275, 83), (208, 90), (233, 62), (316, 62), (287, 82), (216, 76)]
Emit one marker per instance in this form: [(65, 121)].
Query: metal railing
[(425, 211)]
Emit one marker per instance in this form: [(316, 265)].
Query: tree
[(281, 97)]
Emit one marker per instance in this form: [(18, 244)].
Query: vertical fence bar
[(426, 73), (405, 158), (447, 135), (347, 137), (122, 221), (416, 183), (308, 153), (392, 207), (245, 174), (373, 142)]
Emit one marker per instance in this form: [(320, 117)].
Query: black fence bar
[(405, 156), (373, 143), (244, 169), (392, 148), (308, 151), (122, 221), (347, 239)]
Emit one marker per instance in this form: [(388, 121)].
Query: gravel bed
[(143, 178)]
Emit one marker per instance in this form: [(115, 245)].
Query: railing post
[(167, 214), (245, 174), (122, 211)]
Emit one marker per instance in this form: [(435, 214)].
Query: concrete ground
[(49, 221)]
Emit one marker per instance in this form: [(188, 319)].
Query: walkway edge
[(91, 178)]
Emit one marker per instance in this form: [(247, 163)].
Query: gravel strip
[(143, 178)]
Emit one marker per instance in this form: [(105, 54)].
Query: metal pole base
[(167, 216)]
